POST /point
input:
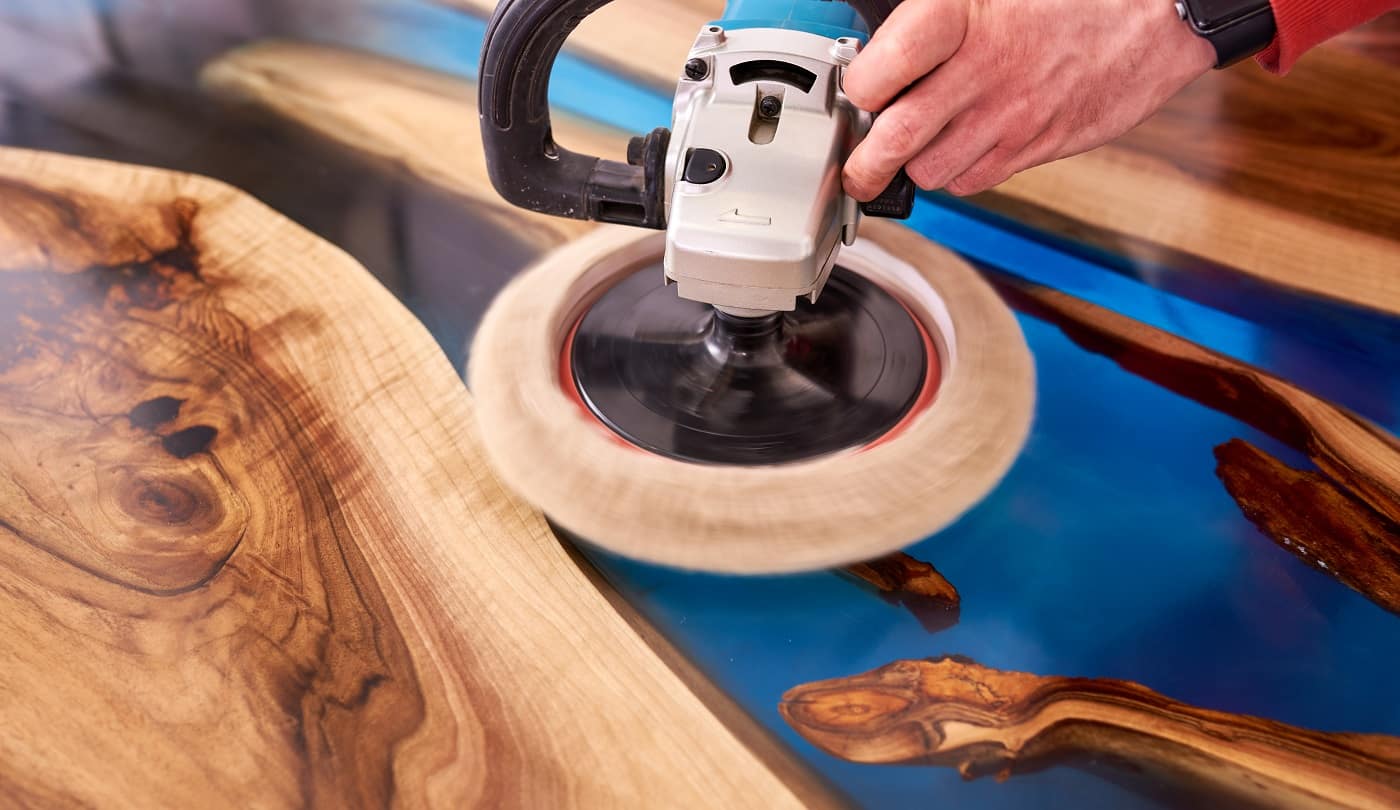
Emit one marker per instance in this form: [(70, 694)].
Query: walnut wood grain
[(1320, 143), (1294, 182), (915, 585), (1378, 39), (1311, 517), (952, 711), (250, 554)]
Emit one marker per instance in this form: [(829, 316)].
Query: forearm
[(1303, 24)]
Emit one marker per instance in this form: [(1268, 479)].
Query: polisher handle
[(527, 167)]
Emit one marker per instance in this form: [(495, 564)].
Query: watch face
[(1214, 13)]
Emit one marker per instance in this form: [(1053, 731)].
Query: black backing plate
[(680, 379)]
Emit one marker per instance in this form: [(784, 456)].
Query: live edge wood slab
[(250, 554)]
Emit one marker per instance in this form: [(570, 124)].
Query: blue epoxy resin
[(823, 17)]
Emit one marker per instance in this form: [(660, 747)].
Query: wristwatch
[(1237, 29)]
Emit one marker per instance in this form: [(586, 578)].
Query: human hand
[(998, 86)]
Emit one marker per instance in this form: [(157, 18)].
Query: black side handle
[(895, 202), (526, 165)]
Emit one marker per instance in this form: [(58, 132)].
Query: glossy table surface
[(1114, 549)]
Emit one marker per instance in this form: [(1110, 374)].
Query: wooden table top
[(253, 555)]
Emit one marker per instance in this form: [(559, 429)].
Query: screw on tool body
[(696, 69)]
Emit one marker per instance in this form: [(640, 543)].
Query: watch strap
[(1237, 39)]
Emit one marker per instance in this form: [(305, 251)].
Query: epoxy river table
[(252, 556)]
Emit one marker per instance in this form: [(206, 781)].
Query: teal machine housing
[(827, 18)]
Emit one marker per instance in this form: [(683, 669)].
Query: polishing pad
[(590, 377)]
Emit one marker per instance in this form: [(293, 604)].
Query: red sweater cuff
[(1303, 24)]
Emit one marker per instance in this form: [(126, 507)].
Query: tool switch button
[(704, 166)]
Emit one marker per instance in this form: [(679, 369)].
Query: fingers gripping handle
[(526, 166), (897, 200)]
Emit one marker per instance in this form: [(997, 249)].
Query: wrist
[(1190, 54)]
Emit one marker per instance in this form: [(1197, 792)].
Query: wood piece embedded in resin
[(983, 721), (1354, 495), (1361, 457), (1315, 520), (914, 584)]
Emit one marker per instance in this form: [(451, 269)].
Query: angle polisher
[(750, 353)]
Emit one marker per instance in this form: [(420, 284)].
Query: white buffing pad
[(834, 510)]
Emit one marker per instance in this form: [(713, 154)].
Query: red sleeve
[(1302, 24)]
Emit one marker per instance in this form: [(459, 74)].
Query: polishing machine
[(750, 344)]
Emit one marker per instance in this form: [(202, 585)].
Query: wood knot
[(852, 708), (169, 526), (161, 501)]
